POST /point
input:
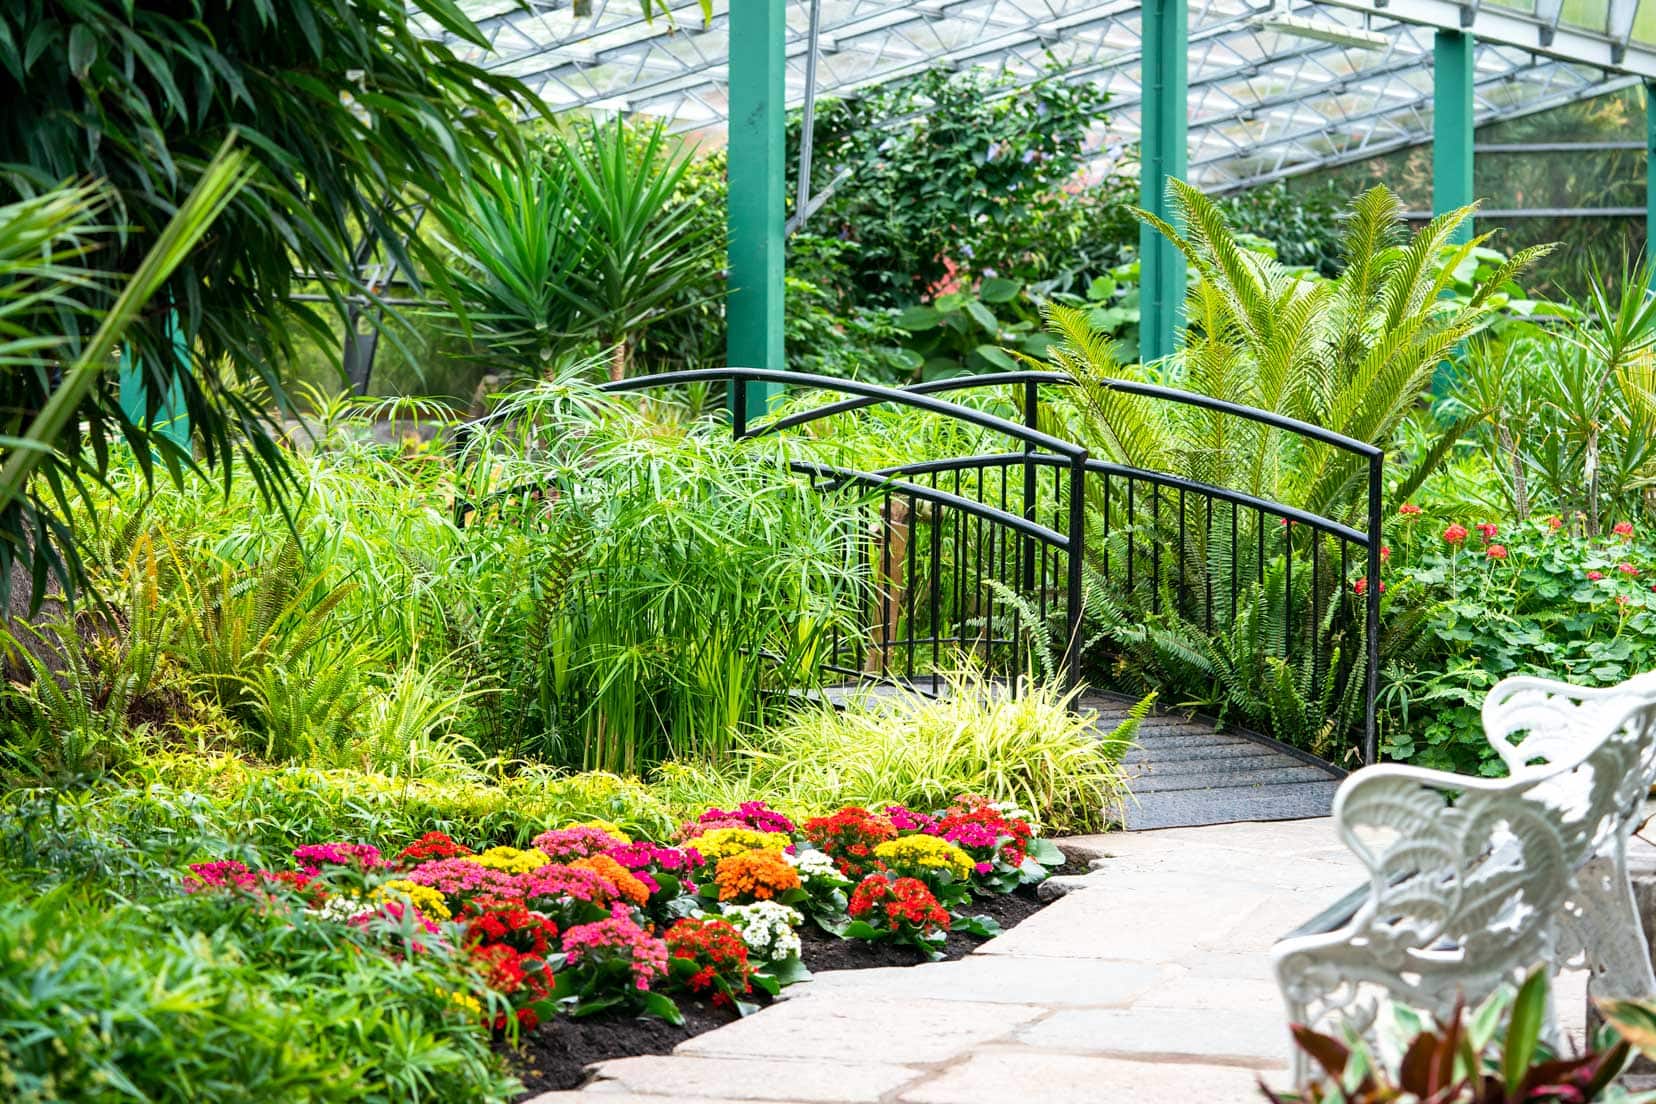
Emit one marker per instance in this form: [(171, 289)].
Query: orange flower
[(629, 887), (754, 876)]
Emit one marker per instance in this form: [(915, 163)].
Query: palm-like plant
[(585, 244), (1351, 354)]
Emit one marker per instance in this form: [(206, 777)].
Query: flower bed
[(590, 944)]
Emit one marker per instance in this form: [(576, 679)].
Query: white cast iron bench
[(1473, 882)]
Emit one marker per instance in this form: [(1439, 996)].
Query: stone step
[(1280, 772), (1226, 805), (1199, 753)]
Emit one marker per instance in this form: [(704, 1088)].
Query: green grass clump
[(1025, 746)]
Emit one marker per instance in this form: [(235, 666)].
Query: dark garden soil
[(555, 1055)]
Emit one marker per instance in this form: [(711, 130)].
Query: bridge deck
[(1184, 772)]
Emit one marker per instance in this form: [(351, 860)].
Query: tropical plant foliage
[(585, 243), (349, 119)]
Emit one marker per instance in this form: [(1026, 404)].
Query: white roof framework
[(1264, 103)]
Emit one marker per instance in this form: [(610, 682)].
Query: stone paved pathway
[(1149, 984)]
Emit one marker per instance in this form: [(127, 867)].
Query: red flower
[(1385, 553), (849, 837), (1361, 587), (1496, 552), (433, 845), (1488, 529), (1621, 599), (1623, 529), (903, 905), (1408, 509), (1594, 576), (1627, 568), (1555, 523), (1455, 534), (718, 954)]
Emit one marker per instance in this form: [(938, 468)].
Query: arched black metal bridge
[(1031, 555)]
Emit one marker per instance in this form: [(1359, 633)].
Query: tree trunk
[(618, 360)]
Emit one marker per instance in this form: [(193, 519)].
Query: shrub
[(902, 910), (1530, 598)]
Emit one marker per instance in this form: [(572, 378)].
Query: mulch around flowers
[(555, 1055)]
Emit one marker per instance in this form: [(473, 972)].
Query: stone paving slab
[(683, 1077), (1000, 1075)]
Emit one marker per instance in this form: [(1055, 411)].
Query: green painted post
[(758, 176), (170, 417), (1452, 75), (1162, 142), (1650, 172)]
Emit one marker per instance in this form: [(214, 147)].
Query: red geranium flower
[(1623, 529), (1488, 529), (1496, 552), (1408, 509), (1455, 534), (1627, 568), (1594, 576)]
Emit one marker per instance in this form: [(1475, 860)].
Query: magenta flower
[(749, 814), (618, 937), (311, 857), (578, 841)]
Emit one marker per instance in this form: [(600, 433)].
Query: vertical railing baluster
[(1234, 583), (908, 590), (1155, 547), (1132, 523)]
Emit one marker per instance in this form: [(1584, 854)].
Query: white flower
[(339, 909), (767, 928), (813, 864)]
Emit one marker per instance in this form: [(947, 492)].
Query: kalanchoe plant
[(1464, 1061), (1002, 843), (901, 910), (708, 958)]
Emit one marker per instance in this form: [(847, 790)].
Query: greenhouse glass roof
[(1274, 90)]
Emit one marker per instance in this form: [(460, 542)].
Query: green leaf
[(769, 984), (951, 302), (787, 971), (984, 317), (999, 289), (1045, 852), (862, 929), (661, 1006), (997, 356), (1529, 1010), (83, 50), (918, 318)]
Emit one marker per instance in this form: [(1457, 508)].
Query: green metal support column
[(1164, 133), (170, 418), (1452, 75), (1650, 171), (758, 176)]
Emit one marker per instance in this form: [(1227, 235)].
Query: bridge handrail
[(1130, 387), (868, 394)]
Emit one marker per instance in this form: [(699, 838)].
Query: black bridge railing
[(990, 554)]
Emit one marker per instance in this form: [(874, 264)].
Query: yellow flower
[(721, 843), (603, 826), (464, 1001), (427, 900), (918, 854), (510, 859)]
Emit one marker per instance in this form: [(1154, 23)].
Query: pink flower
[(618, 937), (752, 814), (1408, 509), (219, 875), (1621, 599), (907, 820), (1623, 529), (463, 878), (313, 856), (1594, 576), (1496, 552), (575, 882), (1455, 534), (579, 841), (1626, 568), (1488, 529)]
